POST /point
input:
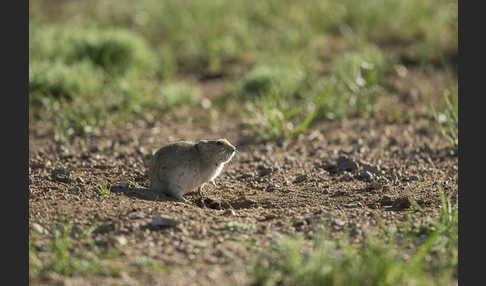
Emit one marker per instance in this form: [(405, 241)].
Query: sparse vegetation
[(447, 116), (284, 68), (287, 103), (108, 74), (379, 260), (62, 255), (105, 189)]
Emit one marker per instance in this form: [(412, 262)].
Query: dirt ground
[(352, 173)]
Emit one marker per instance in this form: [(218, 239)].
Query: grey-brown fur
[(181, 167)]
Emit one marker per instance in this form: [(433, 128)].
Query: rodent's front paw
[(202, 192)]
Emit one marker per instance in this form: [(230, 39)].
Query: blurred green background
[(287, 64)]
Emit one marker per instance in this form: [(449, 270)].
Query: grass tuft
[(114, 50), (379, 260), (62, 255), (284, 104), (105, 189), (447, 117)]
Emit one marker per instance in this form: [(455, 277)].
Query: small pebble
[(39, 229), (300, 179), (121, 240), (353, 205), (346, 164), (163, 221), (365, 176), (413, 178), (338, 222)]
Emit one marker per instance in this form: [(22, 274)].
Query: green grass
[(446, 115), (423, 254), (69, 255), (97, 64), (115, 51), (105, 189), (83, 80), (72, 253), (285, 103), (204, 41), (57, 80)]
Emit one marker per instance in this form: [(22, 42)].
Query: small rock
[(94, 149), (61, 175), (346, 164), (300, 179), (263, 171), (39, 229), (338, 222), (413, 178), (205, 103), (332, 169), (80, 180), (402, 203), (161, 221), (353, 205), (365, 176), (121, 240)]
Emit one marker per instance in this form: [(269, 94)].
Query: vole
[(181, 167)]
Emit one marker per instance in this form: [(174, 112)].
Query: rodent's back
[(173, 156)]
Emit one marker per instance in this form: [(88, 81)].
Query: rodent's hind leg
[(181, 198), (176, 192)]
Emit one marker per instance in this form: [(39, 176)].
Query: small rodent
[(181, 167)]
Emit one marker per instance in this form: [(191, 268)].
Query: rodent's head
[(218, 151)]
